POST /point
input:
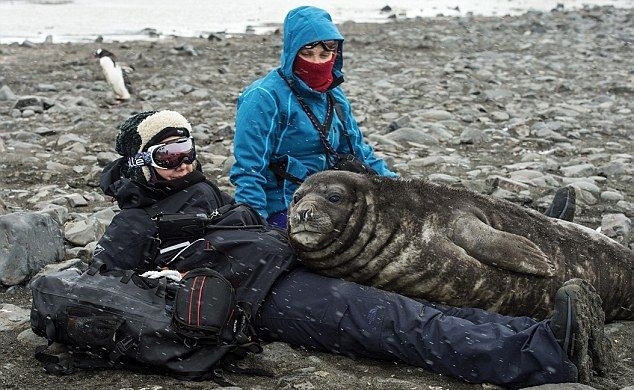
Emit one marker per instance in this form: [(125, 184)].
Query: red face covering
[(317, 76)]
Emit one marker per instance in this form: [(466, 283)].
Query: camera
[(349, 162), (181, 226)]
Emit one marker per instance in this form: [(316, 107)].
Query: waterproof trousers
[(327, 314), (278, 219)]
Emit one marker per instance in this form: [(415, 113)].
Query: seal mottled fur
[(452, 245)]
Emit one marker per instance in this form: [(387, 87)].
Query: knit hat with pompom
[(140, 131)]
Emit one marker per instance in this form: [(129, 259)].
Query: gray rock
[(509, 185), (617, 226), (581, 170), (383, 141), (24, 146), (436, 130), (54, 166), (474, 136), (84, 253), (614, 168), (12, 317), (47, 87), (44, 131), (103, 158), (498, 94), (29, 101), (68, 138), (547, 134), (407, 135), (399, 122), (560, 386), (30, 340), (7, 94), (611, 196), (50, 269), (105, 216), (28, 113), (433, 115), (529, 176), (82, 232), (57, 212), (625, 207), (200, 94), (500, 116), (76, 200), (583, 184), (444, 179), (28, 241), (511, 196)]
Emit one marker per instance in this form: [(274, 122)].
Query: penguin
[(116, 74)]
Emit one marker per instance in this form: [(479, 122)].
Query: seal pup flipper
[(491, 246)]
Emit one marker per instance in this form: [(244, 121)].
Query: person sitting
[(296, 120), (159, 172)]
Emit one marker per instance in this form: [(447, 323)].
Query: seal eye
[(296, 198), (334, 198)]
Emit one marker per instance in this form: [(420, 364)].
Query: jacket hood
[(304, 25)]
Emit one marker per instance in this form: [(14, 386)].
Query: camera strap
[(322, 129), (342, 119)]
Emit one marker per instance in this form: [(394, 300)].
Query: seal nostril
[(303, 215)]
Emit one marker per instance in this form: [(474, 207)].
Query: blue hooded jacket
[(271, 125)]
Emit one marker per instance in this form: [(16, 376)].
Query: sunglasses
[(327, 45), (167, 155)]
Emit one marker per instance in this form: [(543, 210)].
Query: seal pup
[(453, 246), (116, 74)]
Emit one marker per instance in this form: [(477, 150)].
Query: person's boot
[(563, 204), (578, 325)]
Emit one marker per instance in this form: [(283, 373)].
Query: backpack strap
[(55, 362), (58, 359), (95, 267), (153, 246)]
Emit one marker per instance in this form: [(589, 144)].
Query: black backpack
[(190, 329)]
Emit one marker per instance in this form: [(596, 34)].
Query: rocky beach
[(513, 107)]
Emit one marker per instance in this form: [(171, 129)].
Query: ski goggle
[(327, 45), (167, 155)]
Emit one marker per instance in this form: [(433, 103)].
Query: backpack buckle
[(120, 348)]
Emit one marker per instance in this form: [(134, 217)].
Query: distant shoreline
[(157, 33)]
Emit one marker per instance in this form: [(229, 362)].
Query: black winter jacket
[(251, 259)]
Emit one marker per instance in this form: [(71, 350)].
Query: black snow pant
[(327, 314)]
